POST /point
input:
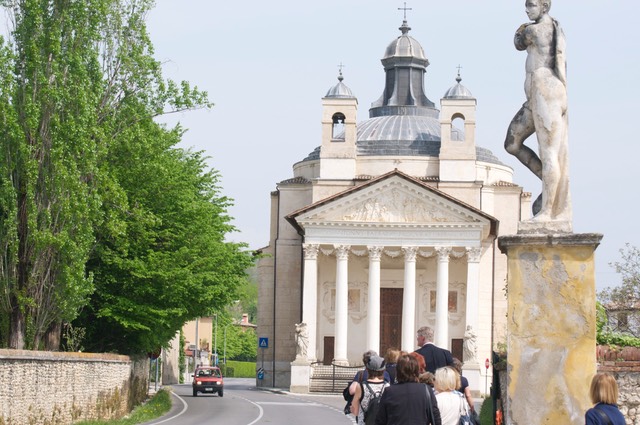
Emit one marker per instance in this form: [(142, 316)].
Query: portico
[(401, 234)]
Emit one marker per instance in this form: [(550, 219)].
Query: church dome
[(340, 90), (458, 91), (403, 121), (404, 46)]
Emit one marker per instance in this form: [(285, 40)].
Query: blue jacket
[(592, 417)]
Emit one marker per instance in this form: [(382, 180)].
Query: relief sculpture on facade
[(395, 206)]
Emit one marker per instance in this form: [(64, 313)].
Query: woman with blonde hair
[(451, 403), (604, 395)]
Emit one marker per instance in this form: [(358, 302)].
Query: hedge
[(236, 369)]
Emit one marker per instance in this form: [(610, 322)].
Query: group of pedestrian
[(427, 387), (420, 387)]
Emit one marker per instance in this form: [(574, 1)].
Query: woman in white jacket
[(451, 403)]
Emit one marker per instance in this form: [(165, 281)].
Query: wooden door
[(390, 319), (328, 350), (456, 348)]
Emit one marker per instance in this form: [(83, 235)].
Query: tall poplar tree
[(100, 214), (51, 85)]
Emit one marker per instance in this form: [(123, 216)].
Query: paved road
[(243, 404)]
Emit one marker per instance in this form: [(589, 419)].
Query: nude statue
[(544, 112)]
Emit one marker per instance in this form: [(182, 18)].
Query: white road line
[(277, 403), (184, 409), (259, 408)]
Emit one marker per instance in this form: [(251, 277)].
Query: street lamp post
[(215, 341), (195, 353)]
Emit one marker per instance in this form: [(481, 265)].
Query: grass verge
[(486, 412), (157, 406)]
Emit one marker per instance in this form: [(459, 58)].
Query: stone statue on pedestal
[(470, 346), (544, 113), (302, 341)]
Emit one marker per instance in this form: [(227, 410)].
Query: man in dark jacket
[(435, 357)]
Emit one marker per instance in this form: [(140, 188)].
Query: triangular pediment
[(393, 201)]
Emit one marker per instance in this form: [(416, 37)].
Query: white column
[(442, 298), (409, 299), (310, 297), (342, 304), (373, 306), (473, 277)]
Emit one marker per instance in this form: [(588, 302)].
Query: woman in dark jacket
[(408, 402), (604, 394)]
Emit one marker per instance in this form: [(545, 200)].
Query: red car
[(207, 379)]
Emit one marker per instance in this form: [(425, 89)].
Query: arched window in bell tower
[(457, 127), (337, 130)]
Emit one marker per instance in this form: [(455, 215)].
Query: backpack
[(370, 414)]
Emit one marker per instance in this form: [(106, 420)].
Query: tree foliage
[(50, 89), (100, 213), (170, 264), (622, 302)]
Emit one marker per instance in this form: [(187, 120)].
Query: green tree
[(49, 93), (240, 343), (622, 302), (101, 213), (171, 264)]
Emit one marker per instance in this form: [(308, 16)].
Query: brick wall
[(39, 387)]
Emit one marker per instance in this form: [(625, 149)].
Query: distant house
[(244, 323), (197, 335), (624, 319)]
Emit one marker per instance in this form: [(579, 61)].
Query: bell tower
[(338, 149), (458, 147)]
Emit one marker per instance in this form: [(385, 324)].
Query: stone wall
[(627, 375), (39, 387)]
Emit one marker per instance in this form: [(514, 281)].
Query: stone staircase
[(331, 379)]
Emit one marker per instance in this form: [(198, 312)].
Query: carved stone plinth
[(551, 330)]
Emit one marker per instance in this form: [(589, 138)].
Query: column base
[(341, 362)]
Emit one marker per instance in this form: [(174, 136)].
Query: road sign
[(263, 342), (261, 373), (486, 364)]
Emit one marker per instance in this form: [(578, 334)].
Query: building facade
[(389, 225)]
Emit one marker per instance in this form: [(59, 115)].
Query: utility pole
[(215, 341), (195, 352)]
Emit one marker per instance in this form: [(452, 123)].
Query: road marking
[(184, 409), (259, 408), (276, 403)]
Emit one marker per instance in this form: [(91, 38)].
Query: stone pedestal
[(551, 330), (300, 373), (472, 373)]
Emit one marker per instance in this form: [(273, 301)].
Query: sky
[(267, 64)]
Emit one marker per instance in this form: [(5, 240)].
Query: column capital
[(310, 251), (473, 254), (443, 253), (375, 252), (342, 251), (410, 253)]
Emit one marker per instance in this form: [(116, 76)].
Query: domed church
[(389, 225)]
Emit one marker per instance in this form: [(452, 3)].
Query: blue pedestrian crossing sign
[(263, 342)]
